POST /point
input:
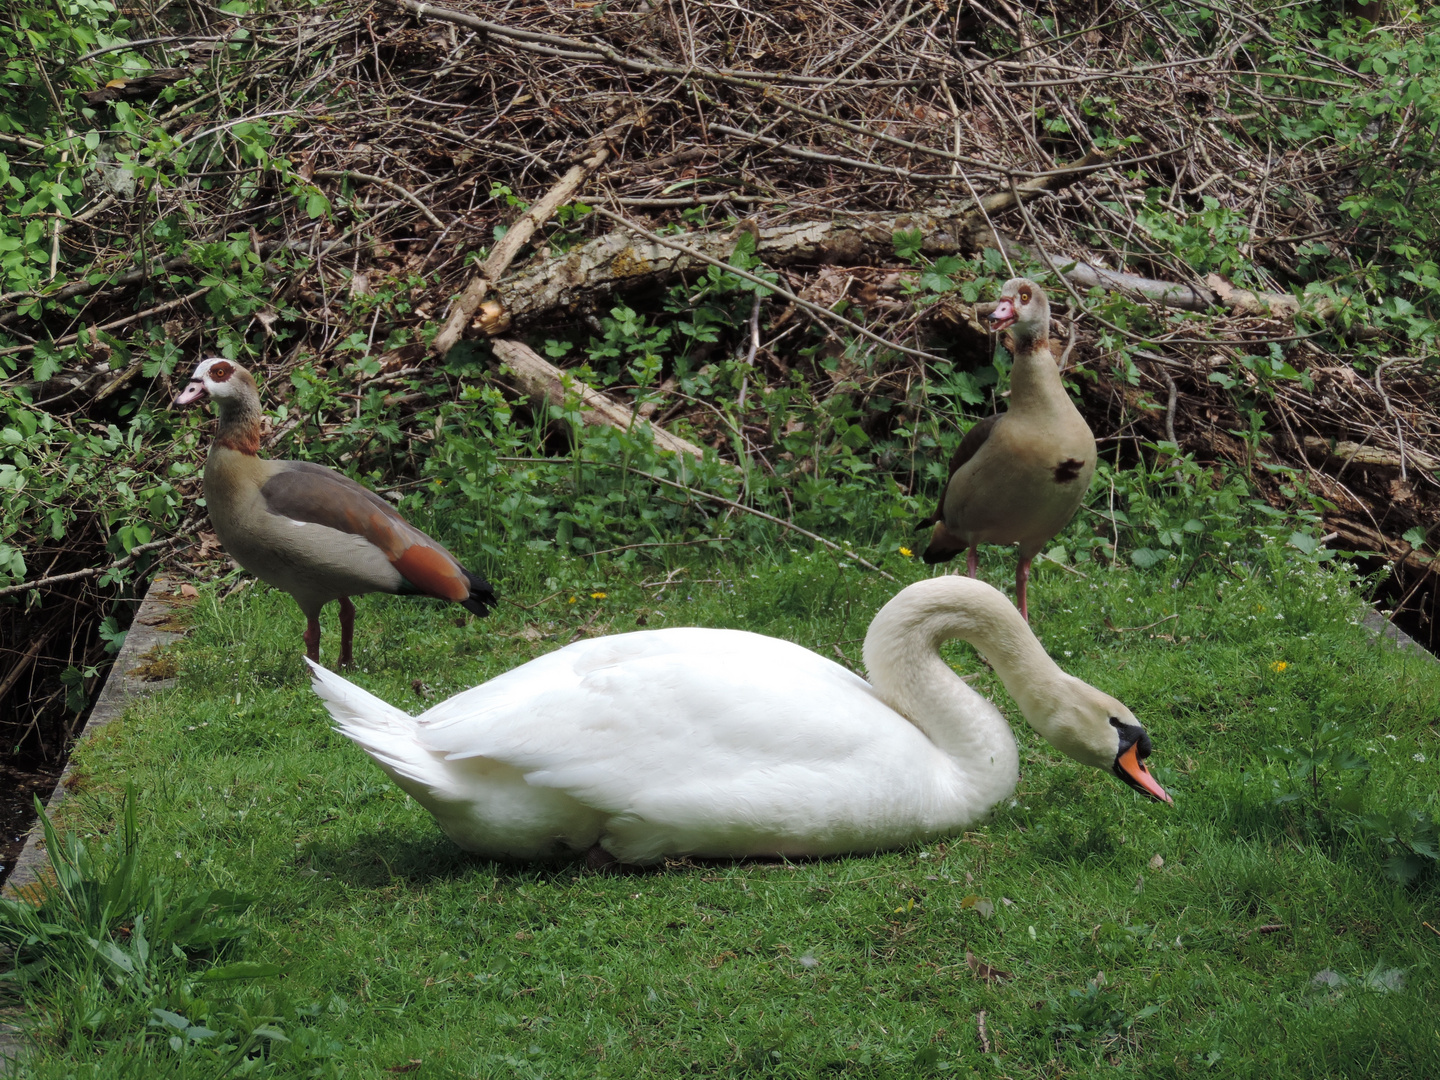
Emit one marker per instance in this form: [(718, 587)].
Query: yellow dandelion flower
[(1278, 666), (597, 596), (906, 552), (572, 599)]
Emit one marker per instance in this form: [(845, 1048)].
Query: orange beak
[(1131, 769)]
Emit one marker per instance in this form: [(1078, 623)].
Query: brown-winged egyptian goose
[(1018, 476), (309, 530)]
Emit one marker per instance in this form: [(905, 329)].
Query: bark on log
[(544, 383), (1346, 453)]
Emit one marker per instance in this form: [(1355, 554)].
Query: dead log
[(585, 277), (544, 383), (1345, 453)]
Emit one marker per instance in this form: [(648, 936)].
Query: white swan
[(725, 743)]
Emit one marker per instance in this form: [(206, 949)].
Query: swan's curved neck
[(903, 659)]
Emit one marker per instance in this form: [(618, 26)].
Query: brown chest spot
[(1068, 470)]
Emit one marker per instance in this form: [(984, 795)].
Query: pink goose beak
[(192, 392), (1004, 314)]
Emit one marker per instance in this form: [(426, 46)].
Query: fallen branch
[(1130, 629), (823, 313), (542, 381), (389, 185), (519, 235), (1217, 292), (1346, 452), (158, 309)]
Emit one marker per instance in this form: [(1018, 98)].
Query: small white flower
[(1273, 709), (1069, 653), (1418, 757)]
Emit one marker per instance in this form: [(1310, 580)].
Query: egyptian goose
[(1018, 476), (307, 529), (724, 743)]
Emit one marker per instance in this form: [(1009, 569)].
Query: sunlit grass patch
[(1258, 922)]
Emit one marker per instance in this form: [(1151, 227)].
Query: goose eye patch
[(221, 372)]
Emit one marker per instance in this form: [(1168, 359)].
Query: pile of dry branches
[(825, 128)]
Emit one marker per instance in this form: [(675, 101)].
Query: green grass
[(397, 948)]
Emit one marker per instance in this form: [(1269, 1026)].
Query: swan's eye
[(1115, 721)]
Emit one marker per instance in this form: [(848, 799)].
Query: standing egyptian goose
[(724, 743), (307, 529), (1018, 476)]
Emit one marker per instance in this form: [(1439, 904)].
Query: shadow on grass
[(382, 858)]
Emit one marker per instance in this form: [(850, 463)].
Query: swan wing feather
[(626, 723)]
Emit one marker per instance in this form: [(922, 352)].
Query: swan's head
[(1024, 307), (1095, 729), (224, 380)]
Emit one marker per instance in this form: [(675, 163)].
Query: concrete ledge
[(131, 678), (1384, 628)]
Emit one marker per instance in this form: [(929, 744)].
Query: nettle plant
[(1176, 510)]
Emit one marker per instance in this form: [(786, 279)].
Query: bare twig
[(185, 529)]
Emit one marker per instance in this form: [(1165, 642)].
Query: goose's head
[(1095, 729), (1024, 307), (224, 380)]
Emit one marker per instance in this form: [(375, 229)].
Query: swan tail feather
[(387, 734)]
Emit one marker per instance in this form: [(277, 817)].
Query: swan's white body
[(728, 743)]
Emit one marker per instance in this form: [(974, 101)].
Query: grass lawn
[(1249, 930)]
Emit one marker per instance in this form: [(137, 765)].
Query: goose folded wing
[(303, 491), (968, 448)]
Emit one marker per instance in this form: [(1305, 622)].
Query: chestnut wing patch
[(1068, 470), (304, 491)]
